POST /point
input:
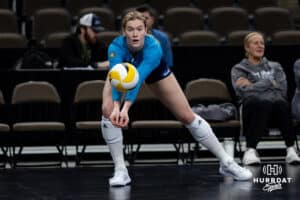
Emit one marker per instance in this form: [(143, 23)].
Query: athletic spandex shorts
[(161, 72)]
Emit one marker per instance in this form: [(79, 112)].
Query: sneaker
[(235, 171), (251, 157), (292, 156), (120, 178)]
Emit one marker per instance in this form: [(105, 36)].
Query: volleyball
[(123, 76)]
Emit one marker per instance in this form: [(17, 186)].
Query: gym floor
[(157, 182)]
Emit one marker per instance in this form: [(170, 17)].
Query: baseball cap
[(91, 20)]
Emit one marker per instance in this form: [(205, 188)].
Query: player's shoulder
[(118, 41), (150, 40)]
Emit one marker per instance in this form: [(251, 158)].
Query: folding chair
[(152, 124), (36, 118), (5, 132), (212, 91), (86, 116)]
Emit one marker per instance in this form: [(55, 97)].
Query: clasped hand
[(119, 118)]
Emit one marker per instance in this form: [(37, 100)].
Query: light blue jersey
[(165, 45), (146, 61)]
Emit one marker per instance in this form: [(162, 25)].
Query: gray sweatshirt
[(268, 80), (296, 98)]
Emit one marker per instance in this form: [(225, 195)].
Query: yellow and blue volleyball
[(123, 76)]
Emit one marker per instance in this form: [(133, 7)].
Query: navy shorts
[(161, 72)]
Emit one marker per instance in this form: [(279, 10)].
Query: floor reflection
[(235, 190), (120, 193)]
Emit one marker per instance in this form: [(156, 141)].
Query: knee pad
[(199, 128), (110, 133)]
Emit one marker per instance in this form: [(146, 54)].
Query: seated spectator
[(82, 49), (296, 98), (261, 87), (150, 15)]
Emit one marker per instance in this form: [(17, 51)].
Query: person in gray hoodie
[(261, 88), (296, 98)]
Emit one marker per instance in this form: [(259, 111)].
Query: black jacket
[(71, 52)]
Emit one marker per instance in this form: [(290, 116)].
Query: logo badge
[(272, 170), (272, 178), (112, 54)]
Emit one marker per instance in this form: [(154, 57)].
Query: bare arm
[(120, 118), (103, 65), (124, 117), (115, 114)]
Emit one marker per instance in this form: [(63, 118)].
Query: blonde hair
[(132, 15), (248, 37)]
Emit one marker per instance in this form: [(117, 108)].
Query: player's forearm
[(117, 105), (126, 106)]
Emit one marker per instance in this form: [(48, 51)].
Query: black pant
[(258, 115)]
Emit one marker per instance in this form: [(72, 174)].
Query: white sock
[(114, 140), (202, 133), (116, 152)]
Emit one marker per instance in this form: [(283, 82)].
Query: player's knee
[(200, 128), (186, 118), (110, 133)]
